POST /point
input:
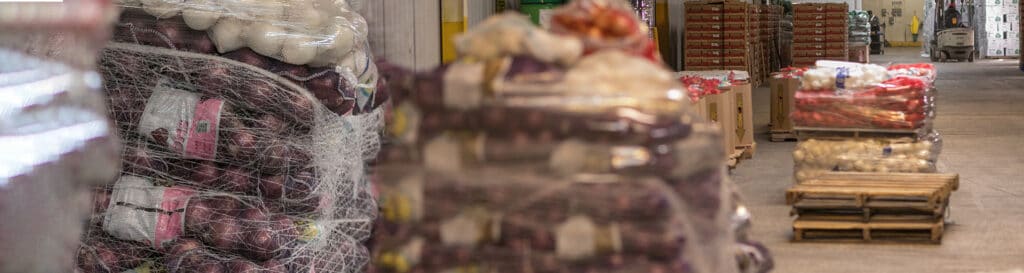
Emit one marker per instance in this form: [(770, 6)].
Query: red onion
[(243, 266), (206, 174), (237, 180), (227, 234), (272, 187)]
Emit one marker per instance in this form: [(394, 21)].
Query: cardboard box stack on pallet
[(716, 36), (724, 97), (819, 33), (755, 44)]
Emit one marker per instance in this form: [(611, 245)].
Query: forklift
[(953, 39)]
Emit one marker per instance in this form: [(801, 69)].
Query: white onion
[(162, 8), (200, 15), (359, 62), (299, 50), (266, 39), (341, 36), (305, 15), (227, 34)]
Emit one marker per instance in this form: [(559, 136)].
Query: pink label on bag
[(170, 224), (201, 141)]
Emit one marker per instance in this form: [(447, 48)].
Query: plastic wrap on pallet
[(319, 45), (228, 168), (864, 97), (505, 216), (478, 132), (881, 155)]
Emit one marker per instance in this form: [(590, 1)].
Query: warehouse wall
[(899, 30)]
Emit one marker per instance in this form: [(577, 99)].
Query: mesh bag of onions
[(320, 45), (856, 96), (532, 155), (234, 162)]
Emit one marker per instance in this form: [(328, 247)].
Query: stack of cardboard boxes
[(716, 35), (756, 45), (1001, 35), (819, 33), (770, 28)]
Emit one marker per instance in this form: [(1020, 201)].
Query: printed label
[(471, 228), (183, 123), (841, 74), (580, 238), (142, 212)]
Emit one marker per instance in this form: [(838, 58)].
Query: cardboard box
[(743, 134), (719, 112), (782, 103)]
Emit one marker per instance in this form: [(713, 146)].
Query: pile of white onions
[(862, 156), (853, 77), (300, 32)]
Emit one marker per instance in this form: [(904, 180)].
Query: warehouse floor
[(980, 117)]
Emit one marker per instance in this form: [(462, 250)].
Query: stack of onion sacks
[(230, 167)]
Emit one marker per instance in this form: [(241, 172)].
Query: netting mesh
[(228, 168)]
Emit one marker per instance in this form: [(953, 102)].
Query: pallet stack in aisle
[(866, 168), (819, 33), (872, 207), (716, 35)]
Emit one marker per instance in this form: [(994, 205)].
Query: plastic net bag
[(228, 168), (57, 140), (882, 155), (866, 97), (319, 45), (477, 132)]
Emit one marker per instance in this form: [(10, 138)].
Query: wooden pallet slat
[(915, 230)]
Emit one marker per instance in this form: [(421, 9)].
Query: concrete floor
[(981, 121)]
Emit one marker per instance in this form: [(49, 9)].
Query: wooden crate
[(782, 103), (929, 231)]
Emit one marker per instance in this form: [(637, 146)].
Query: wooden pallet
[(856, 231), (813, 132), (876, 211), (782, 136), (875, 190), (741, 153)]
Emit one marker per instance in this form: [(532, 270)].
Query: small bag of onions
[(318, 45), (246, 165)]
